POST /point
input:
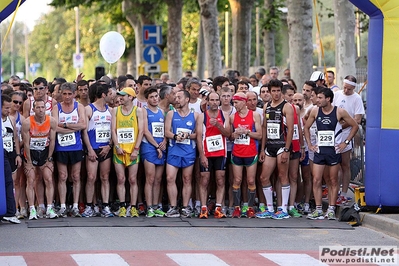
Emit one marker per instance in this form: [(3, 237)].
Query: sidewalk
[(385, 223)]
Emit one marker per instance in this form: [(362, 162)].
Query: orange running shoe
[(250, 213), (237, 212), (219, 213), (204, 213), (325, 193)]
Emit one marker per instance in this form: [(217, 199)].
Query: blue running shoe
[(264, 215), (279, 215)]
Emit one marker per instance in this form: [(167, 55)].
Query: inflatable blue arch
[(6, 8), (382, 129)]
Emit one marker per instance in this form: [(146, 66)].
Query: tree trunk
[(241, 14), (175, 10), (131, 62), (345, 48), (135, 22), (209, 16), (299, 20), (268, 39), (201, 59), (121, 66)]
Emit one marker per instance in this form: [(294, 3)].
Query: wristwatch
[(286, 150), (50, 159), (346, 142), (65, 125)]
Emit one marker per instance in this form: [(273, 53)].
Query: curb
[(380, 223)]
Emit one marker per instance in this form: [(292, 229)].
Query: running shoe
[(13, 220), (236, 213), (330, 215), (294, 213), (219, 213), (299, 207), (150, 213), (244, 211), (251, 213), (75, 212), (187, 212), (341, 200), (262, 208), (107, 212), (173, 212), (133, 212), (230, 212), (265, 214), (159, 213), (316, 215), (325, 193), (62, 212), (141, 209), (306, 208), (128, 211), (23, 213), (50, 213), (81, 207), (88, 212), (204, 213), (41, 212), (32, 214), (96, 211), (18, 215), (197, 211), (211, 206), (122, 212), (280, 214)]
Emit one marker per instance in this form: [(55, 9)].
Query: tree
[(300, 25), (241, 13), (209, 16), (345, 39), (271, 25), (174, 40)]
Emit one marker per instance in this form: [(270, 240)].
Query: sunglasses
[(40, 88), (17, 102)]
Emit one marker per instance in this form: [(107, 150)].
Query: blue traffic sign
[(152, 34), (152, 54)]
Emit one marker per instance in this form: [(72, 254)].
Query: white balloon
[(112, 46)]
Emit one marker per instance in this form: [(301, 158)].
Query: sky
[(30, 11)]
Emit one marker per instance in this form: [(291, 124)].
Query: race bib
[(103, 134), (183, 130), (66, 139), (214, 143), (325, 138), (242, 139), (38, 144), (125, 135), (157, 129), (8, 144), (295, 136), (273, 131)]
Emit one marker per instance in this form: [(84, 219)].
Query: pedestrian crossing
[(190, 258)]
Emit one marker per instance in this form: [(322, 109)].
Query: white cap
[(317, 75)]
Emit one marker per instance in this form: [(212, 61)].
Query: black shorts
[(11, 158), (274, 151), (39, 158), (214, 163), (69, 157), (244, 161), (295, 155), (327, 159), (99, 158)]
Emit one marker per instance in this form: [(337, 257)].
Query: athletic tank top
[(276, 125), (328, 129), (99, 128), (18, 126), (229, 143), (186, 147), (8, 135), (39, 134), (48, 103), (156, 127), (244, 146), (127, 129), (214, 142), (69, 141), (296, 145)]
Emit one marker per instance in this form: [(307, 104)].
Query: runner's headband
[(239, 98), (350, 82)]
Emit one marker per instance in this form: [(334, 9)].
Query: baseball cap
[(317, 75), (127, 91)]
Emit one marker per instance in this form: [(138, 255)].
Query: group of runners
[(129, 147)]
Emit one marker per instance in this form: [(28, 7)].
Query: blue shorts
[(180, 162), (327, 159), (152, 157), (305, 161), (244, 161)]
